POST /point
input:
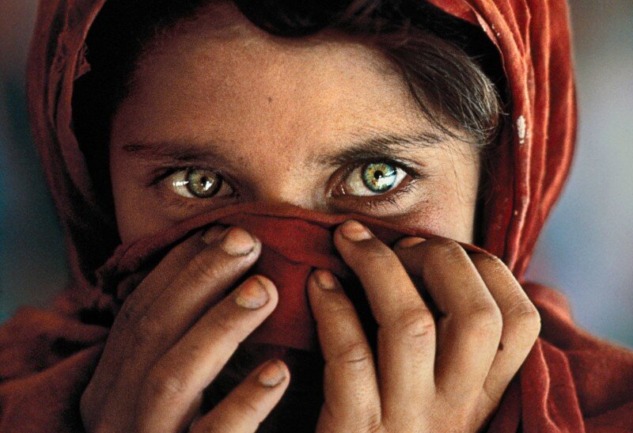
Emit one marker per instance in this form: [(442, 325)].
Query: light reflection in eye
[(198, 183), (370, 179), (373, 178)]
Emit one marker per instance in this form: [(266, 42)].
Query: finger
[(195, 360), (136, 305), (521, 323), (406, 332), (470, 326), (172, 264), (152, 285), (350, 387), (206, 277), (249, 403)]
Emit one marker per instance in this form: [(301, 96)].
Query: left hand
[(428, 375)]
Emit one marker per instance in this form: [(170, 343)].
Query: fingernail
[(272, 374), (409, 242), (324, 279), (252, 294), (355, 231), (237, 242)]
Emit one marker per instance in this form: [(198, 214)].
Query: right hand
[(172, 337)]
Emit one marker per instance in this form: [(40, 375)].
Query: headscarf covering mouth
[(570, 382), (295, 242)]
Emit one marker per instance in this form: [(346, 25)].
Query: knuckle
[(486, 320), (379, 258), (373, 424), (526, 318), (166, 384), (488, 259), (445, 250), (148, 328), (416, 324), (490, 265), (202, 267), (355, 356), (379, 252), (493, 268), (129, 311)]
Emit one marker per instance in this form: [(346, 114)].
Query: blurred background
[(586, 249)]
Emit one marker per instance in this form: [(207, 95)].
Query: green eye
[(198, 183), (373, 178), (203, 183), (379, 177)]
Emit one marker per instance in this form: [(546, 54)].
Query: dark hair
[(451, 68)]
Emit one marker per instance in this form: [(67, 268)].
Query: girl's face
[(222, 113)]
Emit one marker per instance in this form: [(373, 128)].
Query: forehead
[(220, 29), (218, 71)]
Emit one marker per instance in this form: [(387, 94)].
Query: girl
[(271, 210)]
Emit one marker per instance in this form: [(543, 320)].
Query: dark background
[(587, 249)]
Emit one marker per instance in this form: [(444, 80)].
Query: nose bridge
[(285, 187), (282, 171), (276, 178)]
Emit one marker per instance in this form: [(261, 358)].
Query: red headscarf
[(569, 383)]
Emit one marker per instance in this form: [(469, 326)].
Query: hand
[(173, 336), (444, 374)]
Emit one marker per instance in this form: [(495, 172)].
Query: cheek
[(128, 215), (440, 219), (462, 196), (449, 208), (131, 203)]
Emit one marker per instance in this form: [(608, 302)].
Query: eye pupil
[(203, 183), (379, 177)]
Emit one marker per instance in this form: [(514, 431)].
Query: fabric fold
[(571, 381), (294, 243), (49, 356)]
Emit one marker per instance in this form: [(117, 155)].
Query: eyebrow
[(184, 151), (377, 145), (380, 145)]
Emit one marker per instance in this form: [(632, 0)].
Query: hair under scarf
[(570, 382), (529, 170)]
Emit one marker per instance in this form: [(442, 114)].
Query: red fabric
[(571, 382), (533, 39), (294, 242)]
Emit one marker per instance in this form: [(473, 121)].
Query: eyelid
[(162, 172), (391, 203), (159, 179), (413, 174), (342, 202)]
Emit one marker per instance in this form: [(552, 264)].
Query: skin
[(278, 120)]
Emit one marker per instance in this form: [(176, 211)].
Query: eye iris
[(203, 183), (379, 177)]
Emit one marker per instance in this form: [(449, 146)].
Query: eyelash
[(389, 198), (159, 181), (370, 202)]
